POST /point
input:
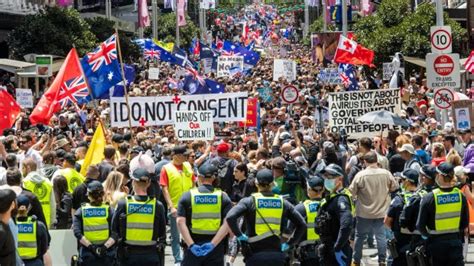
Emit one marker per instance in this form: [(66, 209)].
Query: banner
[(252, 111), (158, 110), (330, 76), (284, 68), (24, 97), (346, 107), (193, 125), (181, 13), (226, 63)]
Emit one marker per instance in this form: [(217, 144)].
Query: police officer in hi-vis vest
[(262, 243), (92, 228), (33, 238), (306, 252), (201, 212), (140, 223), (443, 219), (334, 221)]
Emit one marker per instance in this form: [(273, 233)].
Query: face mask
[(330, 184), (14, 211)]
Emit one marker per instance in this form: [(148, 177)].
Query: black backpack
[(223, 175)]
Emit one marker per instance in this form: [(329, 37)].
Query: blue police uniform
[(25, 225), (402, 240), (216, 256)]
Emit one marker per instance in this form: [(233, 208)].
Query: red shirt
[(164, 175)]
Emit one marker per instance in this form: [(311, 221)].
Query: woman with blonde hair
[(114, 188), (439, 154)]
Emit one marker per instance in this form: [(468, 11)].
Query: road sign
[(443, 98), (290, 94), (443, 71), (441, 39)]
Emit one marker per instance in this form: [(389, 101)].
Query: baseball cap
[(207, 170), (264, 176), (428, 171), (117, 138), (137, 149), (22, 200), (445, 169), (465, 131), (94, 186), (408, 148), (460, 170), (316, 182), (140, 175), (223, 147), (411, 175), (333, 170)]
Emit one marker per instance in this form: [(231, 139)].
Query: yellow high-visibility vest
[(43, 192), (27, 242), (179, 182), (140, 221), (206, 212), (95, 223), (312, 209), (448, 207), (73, 177), (271, 211)]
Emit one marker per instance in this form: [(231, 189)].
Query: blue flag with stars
[(118, 90), (348, 77), (101, 68), (192, 86), (250, 57)]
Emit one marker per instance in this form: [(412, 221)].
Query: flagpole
[(177, 23), (119, 51)]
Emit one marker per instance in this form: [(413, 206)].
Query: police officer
[(200, 215), (140, 223), (443, 218), (306, 251), (335, 219), (92, 228), (33, 237), (263, 211), (402, 236), (427, 179)]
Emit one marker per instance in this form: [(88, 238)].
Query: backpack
[(409, 213), (222, 174), (353, 172)]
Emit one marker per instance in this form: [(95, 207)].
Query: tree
[(52, 31), (103, 28), (167, 30), (394, 28)]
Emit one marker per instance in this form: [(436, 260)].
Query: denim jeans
[(363, 227), (175, 245)]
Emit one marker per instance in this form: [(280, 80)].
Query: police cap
[(445, 169), (207, 170), (140, 175), (94, 187), (333, 170), (22, 200), (179, 150), (264, 176), (429, 171), (315, 182), (410, 175)]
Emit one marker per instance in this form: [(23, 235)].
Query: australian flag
[(193, 86), (348, 77), (250, 57), (181, 58), (101, 67), (118, 90)]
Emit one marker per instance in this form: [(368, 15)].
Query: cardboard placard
[(285, 69), (24, 97), (463, 114), (193, 125)]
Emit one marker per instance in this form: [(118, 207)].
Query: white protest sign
[(387, 71), (206, 65), (330, 76), (284, 68), (346, 107), (158, 110), (225, 63), (153, 73), (443, 71), (441, 39), (24, 97), (193, 125)]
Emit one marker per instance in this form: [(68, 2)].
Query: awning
[(416, 61), (13, 65)]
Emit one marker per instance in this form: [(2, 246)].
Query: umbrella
[(383, 117)]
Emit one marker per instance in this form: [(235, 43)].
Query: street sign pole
[(439, 13), (344, 17), (325, 26), (154, 13)]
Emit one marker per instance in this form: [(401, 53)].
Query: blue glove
[(341, 258), (424, 237), (243, 238), (284, 247), (207, 248), (196, 250)]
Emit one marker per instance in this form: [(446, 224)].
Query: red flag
[(60, 91), (469, 64), (9, 110), (252, 111), (350, 52)]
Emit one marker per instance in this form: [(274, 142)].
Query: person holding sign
[(200, 216)]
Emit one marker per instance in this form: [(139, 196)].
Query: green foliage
[(103, 28), (315, 27), (52, 31), (167, 30), (394, 28)]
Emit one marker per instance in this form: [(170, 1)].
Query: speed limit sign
[(441, 39)]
